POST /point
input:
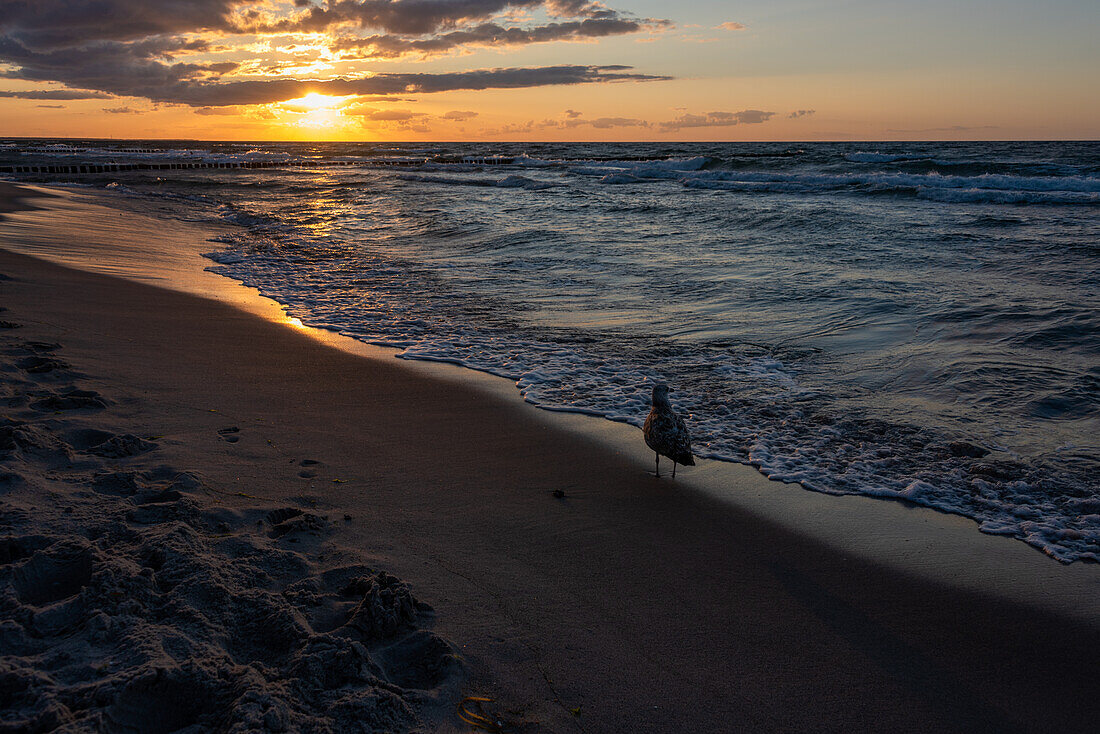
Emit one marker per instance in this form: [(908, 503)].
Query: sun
[(315, 110), (315, 101)]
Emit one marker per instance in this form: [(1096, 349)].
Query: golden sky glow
[(549, 70)]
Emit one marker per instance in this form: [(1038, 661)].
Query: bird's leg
[(657, 471), (673, 469)]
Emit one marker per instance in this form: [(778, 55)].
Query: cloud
[(605, 123), (69, 23), (55, 94), (216, 111), (525, 127), (51, 106), (800, 113), (394, 99), (460, 115), (411, 17), (392, 115), (950, 129), (729, 25), (143, 49), (120, 110), (55, 24), (199, 93), (132, 70), (122, 69), (574, 119), (491, 35), (717, 119)]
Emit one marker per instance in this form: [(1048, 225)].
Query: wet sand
[(630, 604)]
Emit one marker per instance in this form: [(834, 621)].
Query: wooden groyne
[(190, 165), (112, 167)]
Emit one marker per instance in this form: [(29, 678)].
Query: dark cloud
[(800, 113), (111, 69), (67, 23), (51, 106), (55, 94), (122, 69), (128, 48), (718, 119), (411, 17), (120, 110), (490, 35)]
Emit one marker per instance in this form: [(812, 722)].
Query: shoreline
[(598, 593), (915, 539)]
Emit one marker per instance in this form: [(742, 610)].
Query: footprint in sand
[(71, 400), (167, 697), (35, 346), (55, 573), (290, 521), (40, 365), (230, 434), (10, 325), (14, 549), (307, 473)]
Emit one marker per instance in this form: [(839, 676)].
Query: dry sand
[(143, 572)]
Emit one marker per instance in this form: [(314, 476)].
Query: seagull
[(666, 433)]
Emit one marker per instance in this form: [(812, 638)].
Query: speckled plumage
[(666, 433)]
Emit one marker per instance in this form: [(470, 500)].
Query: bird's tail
[(685, 460)]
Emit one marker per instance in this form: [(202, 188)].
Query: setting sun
[(315, 101), (315, 112)]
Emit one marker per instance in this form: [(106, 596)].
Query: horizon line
[(567, 142)]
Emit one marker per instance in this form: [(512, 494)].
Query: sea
[(912, 321)]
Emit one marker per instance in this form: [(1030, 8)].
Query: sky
[(550, 70)]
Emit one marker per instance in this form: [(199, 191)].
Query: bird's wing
[(650, 430), (683, 437)]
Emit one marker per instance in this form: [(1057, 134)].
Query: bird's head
[(660, 394)]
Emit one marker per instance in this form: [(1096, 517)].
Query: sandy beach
[(203, 502)]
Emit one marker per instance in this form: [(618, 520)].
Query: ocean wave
[(987, 188), (659, 168), (850, 340), (508, 182), (911, 180), (995, 196), (620, 178), (868, 157), (522, 182), (750, 407)]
